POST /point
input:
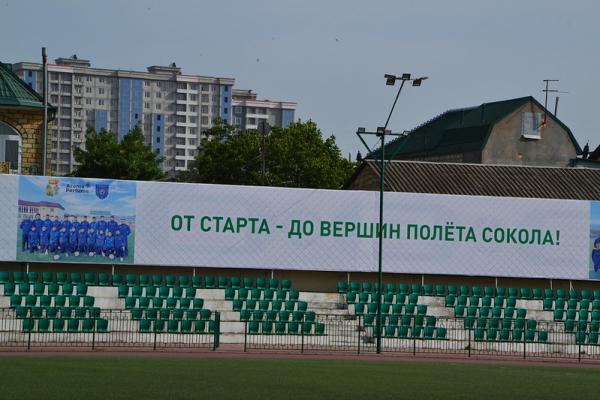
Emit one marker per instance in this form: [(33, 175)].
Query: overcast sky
[(330, 56)]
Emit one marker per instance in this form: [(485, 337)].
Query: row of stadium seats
[(156, 291), (486, 312), (416, 332), (571, 304), (160, 302), (177, 326), (165, 314), (261, 294), (386, 308), (51, 289), (286, 328), (104, 279), (281, 316), (524, 293), (506, 335), (51, 301), (266, 305), (57, 325), (575, 315), (22, 312)]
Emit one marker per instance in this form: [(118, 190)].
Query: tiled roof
[(458, 131), (484, 180), (16, 93)]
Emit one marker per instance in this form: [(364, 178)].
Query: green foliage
[(105, 157), (296, 156)]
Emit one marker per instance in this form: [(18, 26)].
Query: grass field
[(227, 378)]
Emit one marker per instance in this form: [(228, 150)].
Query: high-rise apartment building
[(173, 109), (248, 112)]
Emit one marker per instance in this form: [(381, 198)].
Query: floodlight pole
[(382, 132)]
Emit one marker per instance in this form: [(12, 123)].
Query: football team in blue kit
[(75, 235)]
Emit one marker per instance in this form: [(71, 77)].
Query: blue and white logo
[(101, 191)]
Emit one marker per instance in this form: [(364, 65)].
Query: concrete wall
[(506, 146)]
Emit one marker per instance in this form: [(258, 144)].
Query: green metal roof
[(458, 131), (16, 93)]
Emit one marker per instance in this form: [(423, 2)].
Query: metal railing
[(105, 329), (481, 337)]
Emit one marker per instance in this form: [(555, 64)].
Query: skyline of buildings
[(173, 109)]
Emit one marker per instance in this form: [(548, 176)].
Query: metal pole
[(380, 266), (45, 94), (556, 106)]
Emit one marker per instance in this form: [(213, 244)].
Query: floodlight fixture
[(405, 77)]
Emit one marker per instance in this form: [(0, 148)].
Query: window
[(88, 90), (135, 116), (158, 106), (204, 120), (193, 97), (225, 120), (54, 87), (226, 99), (146, 105), (531, 124), (237, 110), (193, 120), (158, 139), (158, 95), (225, 110), (78, 89), (204, 109), (100, 90), (100, 102), (88, 78), (101, 79), (158, 128), (146, 83), (238, 121), (158, 117), (54, 99), (182, 86), (30, 73), (147, 94), (205, 98), (226, 89), (88, 101)]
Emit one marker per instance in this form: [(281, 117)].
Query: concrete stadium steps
[(325, 303), (106, 297)]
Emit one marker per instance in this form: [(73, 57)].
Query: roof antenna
[(546, 91)]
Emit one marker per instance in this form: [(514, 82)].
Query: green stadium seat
[(32, 277), (157, 280), (136, 314), (30, 301), (476, 291), (197, 282), (177, 292), (248, 283), (584, 304), (88, 325), (186, 326), (596, 294), (16, 300), (90, 278), (294, 295), (548, 294), (150, 291), (561, 294), (236, 282), (19, 277), (39, 289), (571, 314), (209, 282), (28, 325), (273, 283), (479, 334), (222, 282), (410, 309), (465, 290), (9, 289), (184, 281), (145, 325), (261, 283), (537, 294), (415, 288), (171, 303), (548, 304), (159, 325), (24, 289), (152, 313), (123, 291), (185, 302), (47, 277), (43, 325), (58, 325), (137, 291), (117, 279), (4, 277), (61, 278), (102, 325), (45, 301), (440, 290), (82, 289), (131, 279), (584, 315), (73, 325), (103, 279), (190, 292), (525, 293), (171, 281), (164, 291), (574, 294), (173, 326), (157, 302), (229, 294), (391, 288), (198, 303), (191, 314), (75, 278), (143, 280), (521, 313), (592, 338), (450, 300)]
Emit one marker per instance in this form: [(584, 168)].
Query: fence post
[(30, 327), (154, 325), (469, 345), (525, 342), (414, 319), (245, 335), (217, 332), (578, 337), (94, 331), (302, 334), (358, 330)]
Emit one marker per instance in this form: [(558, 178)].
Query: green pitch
[(195, 378)]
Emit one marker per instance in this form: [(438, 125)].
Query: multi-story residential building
[(248, 111), (173, 109)]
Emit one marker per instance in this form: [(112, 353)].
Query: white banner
[(169, 224)]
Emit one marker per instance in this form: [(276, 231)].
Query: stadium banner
[(175, 224)]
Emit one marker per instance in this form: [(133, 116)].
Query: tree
[(105, 157), (296, 156)]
